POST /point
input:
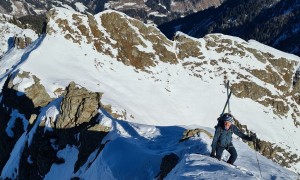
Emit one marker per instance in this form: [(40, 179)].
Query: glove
[(253, 137)]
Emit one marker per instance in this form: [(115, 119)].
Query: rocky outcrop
[(26, 100), (77, 125), (143, 47), (6, 143), (115, 115), (132, 37), (270, 150), (22, 42), (37, 93), (79, 115), (277, 74), (194, 132), (79, 106), (296, 77), (168, 162), (26, 103), (187, 48)]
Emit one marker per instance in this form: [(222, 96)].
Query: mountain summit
[(97, 92)]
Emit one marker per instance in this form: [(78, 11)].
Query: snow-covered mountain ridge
[(272, 22), (9, 31), (273, 73), (143, 78)]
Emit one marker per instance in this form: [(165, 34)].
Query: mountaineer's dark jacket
[(223, 137)]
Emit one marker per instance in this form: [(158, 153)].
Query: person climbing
[(223, 138)]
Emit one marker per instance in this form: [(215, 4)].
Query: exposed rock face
[(79, 114), (141, 46), (279, 73), (6, 143), (296, 95), (270, 150), (34, 96), (115, 115), (37, 93), (26, 103), (76, 126), (13, 35), (187, 48), (255, 73), (22, 42), (267, 149), (167, 164), (78, 118), (79, 106), (194, 132), (130, 36), (112, 30)]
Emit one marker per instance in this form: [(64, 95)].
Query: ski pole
[(255, 148)]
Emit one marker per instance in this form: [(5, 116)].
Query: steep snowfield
[(8, 31), (134, 151), (142, 146), (176, 99), (11, 167), (168, 96)]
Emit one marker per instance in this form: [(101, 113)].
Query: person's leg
[(219, 152), (233, 154)]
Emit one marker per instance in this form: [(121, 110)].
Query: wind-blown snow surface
[(8, 31), (169, 96), (134, 151), (11, 167)]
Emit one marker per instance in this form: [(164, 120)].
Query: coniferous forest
[(272, 22)]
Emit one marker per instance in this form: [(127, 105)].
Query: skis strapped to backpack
[(226, 105), (228, 98)]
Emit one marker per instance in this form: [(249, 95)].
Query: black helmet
[(227, 117)]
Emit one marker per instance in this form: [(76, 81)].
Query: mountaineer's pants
[(230, 149)]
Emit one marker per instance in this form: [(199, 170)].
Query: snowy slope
[(134, 151), (142, 145), (170, 95), (7, 33)]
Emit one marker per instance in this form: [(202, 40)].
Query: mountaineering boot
[(233, 155)]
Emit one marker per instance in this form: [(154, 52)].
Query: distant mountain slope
[(9, 31), (154, 11), (272, 22), (57, 91), (160, 11)]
